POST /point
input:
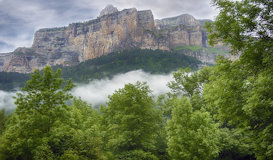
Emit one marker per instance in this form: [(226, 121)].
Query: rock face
[(117, 31), (109, 9), (112, 31), (184, 19)]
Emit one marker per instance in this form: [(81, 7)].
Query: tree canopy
[(130, 120), (43, 126)]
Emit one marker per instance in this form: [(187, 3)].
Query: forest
[(152, 61), (223, 111)]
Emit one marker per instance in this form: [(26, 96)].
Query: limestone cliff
[(112, 31), (109, 9)]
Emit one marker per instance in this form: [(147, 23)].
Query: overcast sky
[(19, 19)]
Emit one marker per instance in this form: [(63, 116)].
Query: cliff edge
[(112, 31)]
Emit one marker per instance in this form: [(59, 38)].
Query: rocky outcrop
[(22, 60), (108, 33), (184, 19), (2, 60), (109, 9), (112, 31)]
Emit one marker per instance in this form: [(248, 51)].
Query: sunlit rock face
[(112, 31)]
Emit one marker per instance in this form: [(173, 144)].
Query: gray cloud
[(19, 19), (96, 92)]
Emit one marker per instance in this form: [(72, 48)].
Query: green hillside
[(109, 65)]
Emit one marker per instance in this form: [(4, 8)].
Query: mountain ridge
[(112, 31)]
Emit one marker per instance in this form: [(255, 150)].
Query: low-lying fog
[(96, 92)]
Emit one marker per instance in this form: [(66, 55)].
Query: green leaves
[(246, 27), (241, 91), (191, 134), (130, 120), (44, 127)]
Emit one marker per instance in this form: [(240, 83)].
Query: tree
[(241, 91), (45, 127), (80, 136), (40, 107), (191, 134), (234, 142), (130, 120), (3, 119), (245, 26)]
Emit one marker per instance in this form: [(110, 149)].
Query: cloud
[(6, 100), (201, 9), (19, 19), (96, 92), (5, 47)]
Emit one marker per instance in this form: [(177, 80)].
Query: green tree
[(80, 136), (3, 119), (40, 107), (191, 134), (241, 91), (234, 142), (130, 120), (45, 127), (245, 26)]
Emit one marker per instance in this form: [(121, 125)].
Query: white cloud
[(6, 100), (96, 92)]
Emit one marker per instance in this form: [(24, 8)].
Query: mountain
[(112, 31)]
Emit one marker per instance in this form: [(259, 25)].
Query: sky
[(96, 92), (19, 19)]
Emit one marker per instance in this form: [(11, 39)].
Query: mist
[(6, 100), (96, 92)]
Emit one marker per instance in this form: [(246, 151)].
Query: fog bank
[(6, 100), (96, 92)]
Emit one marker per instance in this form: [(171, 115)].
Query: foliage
[(121, 62), (130, 122), (156, 34), (241, 91), (245, 26), (3, 119), (243, 101), (44, 127), (191, 48), (234, 142), (191, 134)]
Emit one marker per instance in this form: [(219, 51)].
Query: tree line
[(152, 61)]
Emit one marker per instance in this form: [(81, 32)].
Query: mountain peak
[(109, 9), (183, 19)]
